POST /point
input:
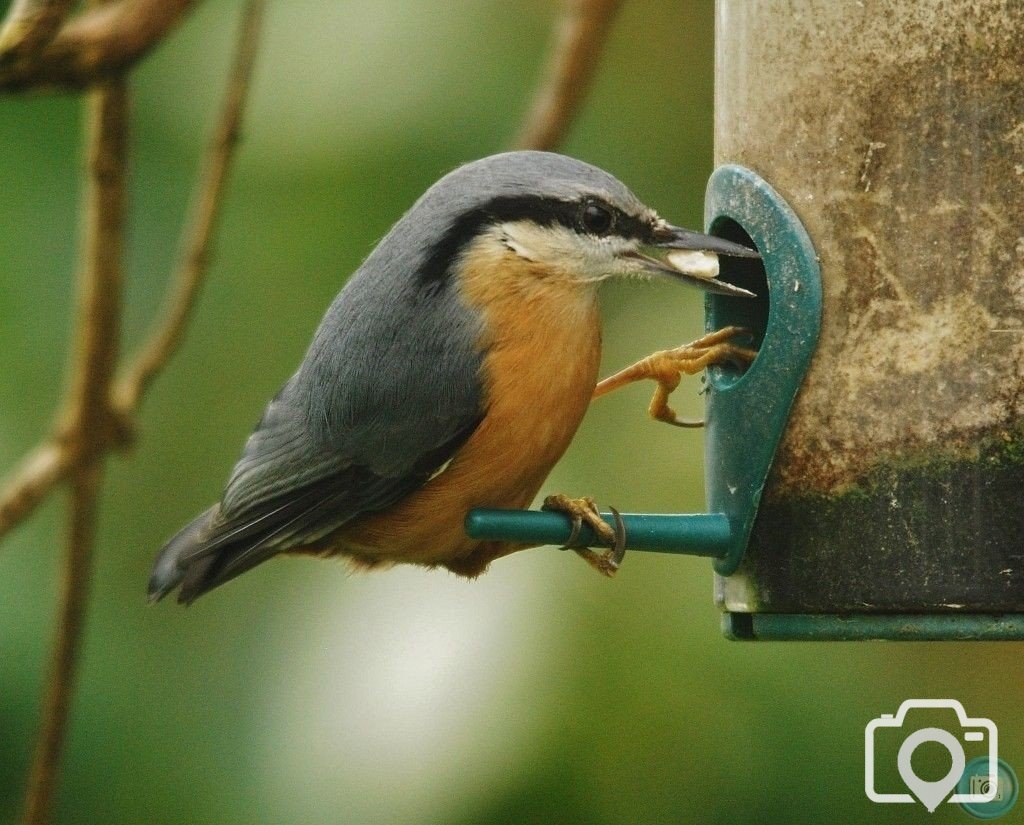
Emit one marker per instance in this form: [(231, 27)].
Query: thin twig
[(60, 687), (90, 428), (52, 462), (98, 43), (30, 25), (167, 334), (94, 360), (40, 471), (576, 48)]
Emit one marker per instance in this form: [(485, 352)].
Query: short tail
[(170, 567), (214, 549)]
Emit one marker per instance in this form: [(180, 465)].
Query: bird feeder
[(895, 131), (865, 475)]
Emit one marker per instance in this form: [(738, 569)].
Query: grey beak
[(674, 237), (691, 257)]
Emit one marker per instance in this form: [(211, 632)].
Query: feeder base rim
[(899, 627)]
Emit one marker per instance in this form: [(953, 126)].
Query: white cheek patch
[(585, 257), (542, 244)]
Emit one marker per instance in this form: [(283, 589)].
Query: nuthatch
[(451, 372)]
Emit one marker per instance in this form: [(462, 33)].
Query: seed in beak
[(694, 262)]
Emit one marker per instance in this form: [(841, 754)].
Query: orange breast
[(543, 346)]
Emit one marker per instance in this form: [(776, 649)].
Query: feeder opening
[(729, 310)]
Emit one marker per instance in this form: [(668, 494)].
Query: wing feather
[(379, 405)]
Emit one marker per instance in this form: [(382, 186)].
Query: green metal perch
[(699, 534)]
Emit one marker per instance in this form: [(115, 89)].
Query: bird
[(451, 372)]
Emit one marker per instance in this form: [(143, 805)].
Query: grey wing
[(366, 420), (287, 492)]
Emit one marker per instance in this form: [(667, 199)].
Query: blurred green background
[(539, 693)]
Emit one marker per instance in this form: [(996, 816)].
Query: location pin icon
[(931, 794)]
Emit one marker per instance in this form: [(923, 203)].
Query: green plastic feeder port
[(746, 412)]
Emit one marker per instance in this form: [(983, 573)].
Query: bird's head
[(563, 216)]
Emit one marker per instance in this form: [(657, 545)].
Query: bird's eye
[(596, 219)]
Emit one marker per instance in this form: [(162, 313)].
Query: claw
[(582, 510), (667, 367), (619, 548), (574, 535)]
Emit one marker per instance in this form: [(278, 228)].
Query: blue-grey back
[(394, 370)]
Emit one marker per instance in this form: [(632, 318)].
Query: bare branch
[(102, 252), (30, 25), (98, 415), (63, 666), (577, 45), (53, 461), (98, 43), (93, 363), (198, 236), (28, 486)]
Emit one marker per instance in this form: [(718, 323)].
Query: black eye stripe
[(544, 211), (630, 226), (551, 211)]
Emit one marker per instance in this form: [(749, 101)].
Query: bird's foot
[(667, 367), (584, 511)]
